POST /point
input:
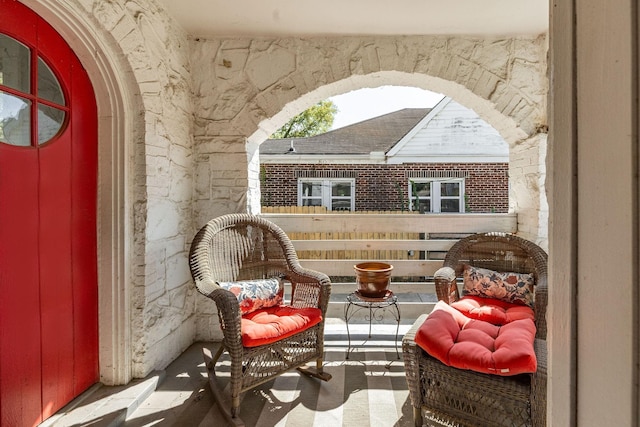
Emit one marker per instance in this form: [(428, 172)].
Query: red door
[(48, 177)]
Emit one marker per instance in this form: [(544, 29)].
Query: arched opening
[(404, 149), (527, 153)]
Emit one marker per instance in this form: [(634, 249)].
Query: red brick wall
[(384, 187)]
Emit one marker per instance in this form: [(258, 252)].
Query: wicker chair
[(443, 395), (245, 247)]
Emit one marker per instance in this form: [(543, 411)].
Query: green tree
[(313, 121)]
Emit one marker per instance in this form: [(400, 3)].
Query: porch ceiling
[(208, 18)]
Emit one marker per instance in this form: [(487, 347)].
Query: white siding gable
[(450, 133)]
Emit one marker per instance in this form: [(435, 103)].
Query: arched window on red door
[(33, 107)]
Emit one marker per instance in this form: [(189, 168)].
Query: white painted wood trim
[(371, 160), (607, 208), (114, 214), (448, 158), (593, 376), (315, 159), (561, 386)]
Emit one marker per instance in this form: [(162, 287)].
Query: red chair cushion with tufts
[(272, 324), (461, 342), (492, 310)]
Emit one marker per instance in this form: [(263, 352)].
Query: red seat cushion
[(461, 342), (271, 324), (492, 310)]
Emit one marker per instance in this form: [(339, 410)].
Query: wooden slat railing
[(334, 242)]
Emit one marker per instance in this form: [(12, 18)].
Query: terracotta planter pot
[(373, 278)]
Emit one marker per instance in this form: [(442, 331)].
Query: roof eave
[(371, 158)]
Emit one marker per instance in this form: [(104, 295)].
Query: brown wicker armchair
[(240, 247), (444, 395)]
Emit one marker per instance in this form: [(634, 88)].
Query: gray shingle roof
[(376, 134)]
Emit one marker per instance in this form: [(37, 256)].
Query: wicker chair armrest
[(541, 299), (309, 288), (539, 385), (410, 335), (445, 273), (446, 286), (411, 357), (304, 274), (230, 319)]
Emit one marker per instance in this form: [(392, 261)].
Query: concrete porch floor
[(180, 394)]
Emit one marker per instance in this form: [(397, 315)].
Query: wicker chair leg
[(235, 407), (317, 372), (231, 416), (417, 417)]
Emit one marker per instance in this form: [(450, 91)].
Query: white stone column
[(527, 194)]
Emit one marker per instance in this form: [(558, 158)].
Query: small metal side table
[(357, 302)]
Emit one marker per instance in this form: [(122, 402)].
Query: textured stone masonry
[(201, 108)]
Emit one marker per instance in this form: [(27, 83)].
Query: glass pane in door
[(50, 122), (15, 120), (15, 71), (48, 85)]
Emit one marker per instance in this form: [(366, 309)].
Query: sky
[(363, 104)]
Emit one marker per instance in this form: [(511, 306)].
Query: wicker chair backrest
[(239, 247), (498, 251)]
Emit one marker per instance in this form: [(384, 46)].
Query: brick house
[(442, 159)]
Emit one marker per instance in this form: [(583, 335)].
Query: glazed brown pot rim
[(373, 266)]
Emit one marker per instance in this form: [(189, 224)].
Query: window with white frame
[(436, 195), (335, 194)]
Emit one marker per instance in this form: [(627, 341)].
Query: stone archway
[(256, 85)]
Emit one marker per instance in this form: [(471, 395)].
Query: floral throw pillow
[(256, 294), (515, 288)]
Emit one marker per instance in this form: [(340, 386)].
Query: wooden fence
[(414, 243), (326, 245)]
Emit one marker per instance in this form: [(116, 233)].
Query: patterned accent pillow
[(256, 294), (515, 288)]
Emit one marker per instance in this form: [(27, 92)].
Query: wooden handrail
[(394, 223)]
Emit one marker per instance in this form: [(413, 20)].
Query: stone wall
[(192, 115), (527, 169), (160, 176)]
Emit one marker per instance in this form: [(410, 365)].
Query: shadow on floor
[(367, 389)]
